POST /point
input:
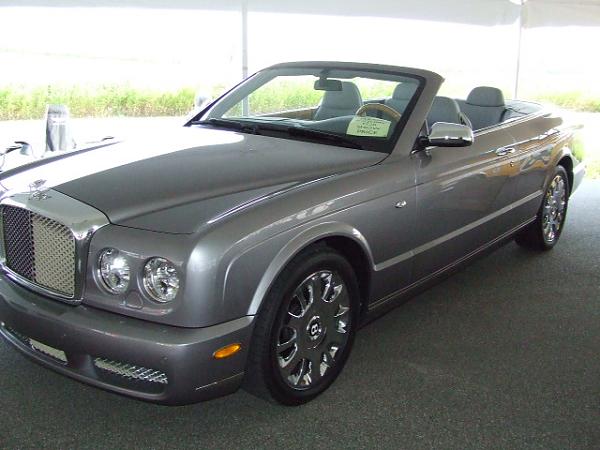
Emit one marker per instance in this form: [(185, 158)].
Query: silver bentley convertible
[(248, 247)]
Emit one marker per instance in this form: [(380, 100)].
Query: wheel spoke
[(333, 350), (304, 301), (326, 363), (294, 374), (286, 361), (341, 326), (337, 290), (291, 342), (342, 310), (315, 288), (303, 376), (333, 288), (288, 350), (328, 280)]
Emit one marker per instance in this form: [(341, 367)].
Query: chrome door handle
[(503, 151)]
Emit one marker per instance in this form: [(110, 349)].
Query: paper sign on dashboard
[(368, 126)]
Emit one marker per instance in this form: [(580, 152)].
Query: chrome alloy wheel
[(553, 213), (314, 329)]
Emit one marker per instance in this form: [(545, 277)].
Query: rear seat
[(445, 109), (401, 96), (485, 106)]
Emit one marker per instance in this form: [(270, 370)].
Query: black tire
[(265, 375), (543, 233)]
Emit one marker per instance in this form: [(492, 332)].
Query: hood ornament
[(38, 190)]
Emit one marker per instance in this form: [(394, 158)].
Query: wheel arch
[(563, 157), (343, 238), (567, 163)]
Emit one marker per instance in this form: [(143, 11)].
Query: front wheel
[(544, 232), (305, 329)]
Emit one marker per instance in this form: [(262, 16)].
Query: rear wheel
[(544, 232), (305, 330)]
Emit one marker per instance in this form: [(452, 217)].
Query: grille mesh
[(52, 352), (39, 249), (18, 241), (131, 371)]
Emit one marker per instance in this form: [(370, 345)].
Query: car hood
[(183, 179)]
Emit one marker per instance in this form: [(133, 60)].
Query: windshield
[(363, 109)]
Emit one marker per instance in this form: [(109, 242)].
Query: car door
[(535, 140), (463, 195)]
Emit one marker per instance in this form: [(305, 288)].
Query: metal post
[(245, 51), (518, 68)]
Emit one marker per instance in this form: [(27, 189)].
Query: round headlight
[(161, 280), (114, 271)]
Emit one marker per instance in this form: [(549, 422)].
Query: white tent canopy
[(535, 13), (545, 13), (481, 12), (525, 13)]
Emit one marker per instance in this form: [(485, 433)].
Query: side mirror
[(449, 135)]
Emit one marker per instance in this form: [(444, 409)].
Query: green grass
[(587, 149), (578, 148), (593, 170), (282, 95), (99, 101), (21, 102), (25, 102), (577, 101)]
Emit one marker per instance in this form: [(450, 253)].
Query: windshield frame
[(244, 89)]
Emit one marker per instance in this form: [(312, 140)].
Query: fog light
[(227, 351)]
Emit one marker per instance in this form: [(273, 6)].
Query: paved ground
[(505, 354)]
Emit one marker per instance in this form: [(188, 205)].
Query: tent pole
[(518, 68), (245, 51)]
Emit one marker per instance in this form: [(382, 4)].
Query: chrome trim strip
[(382, 301), (429, 245), (82, 219), (36, 287), (216, 383)]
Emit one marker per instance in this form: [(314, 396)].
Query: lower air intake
[(131, 371)]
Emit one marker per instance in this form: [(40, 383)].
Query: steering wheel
[(362, 111)]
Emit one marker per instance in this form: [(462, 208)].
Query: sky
[(167, 49)]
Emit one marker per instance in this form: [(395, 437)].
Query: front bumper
[(145, 360)]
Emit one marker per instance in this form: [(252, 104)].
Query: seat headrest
[(486, 96), (348, 98), (404, 91), (444, 109)]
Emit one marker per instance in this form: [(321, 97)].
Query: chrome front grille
[(39, 249)]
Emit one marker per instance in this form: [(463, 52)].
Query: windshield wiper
[(222, 123), (257, 128)]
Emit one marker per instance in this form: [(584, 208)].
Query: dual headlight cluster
[(159, 277)]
